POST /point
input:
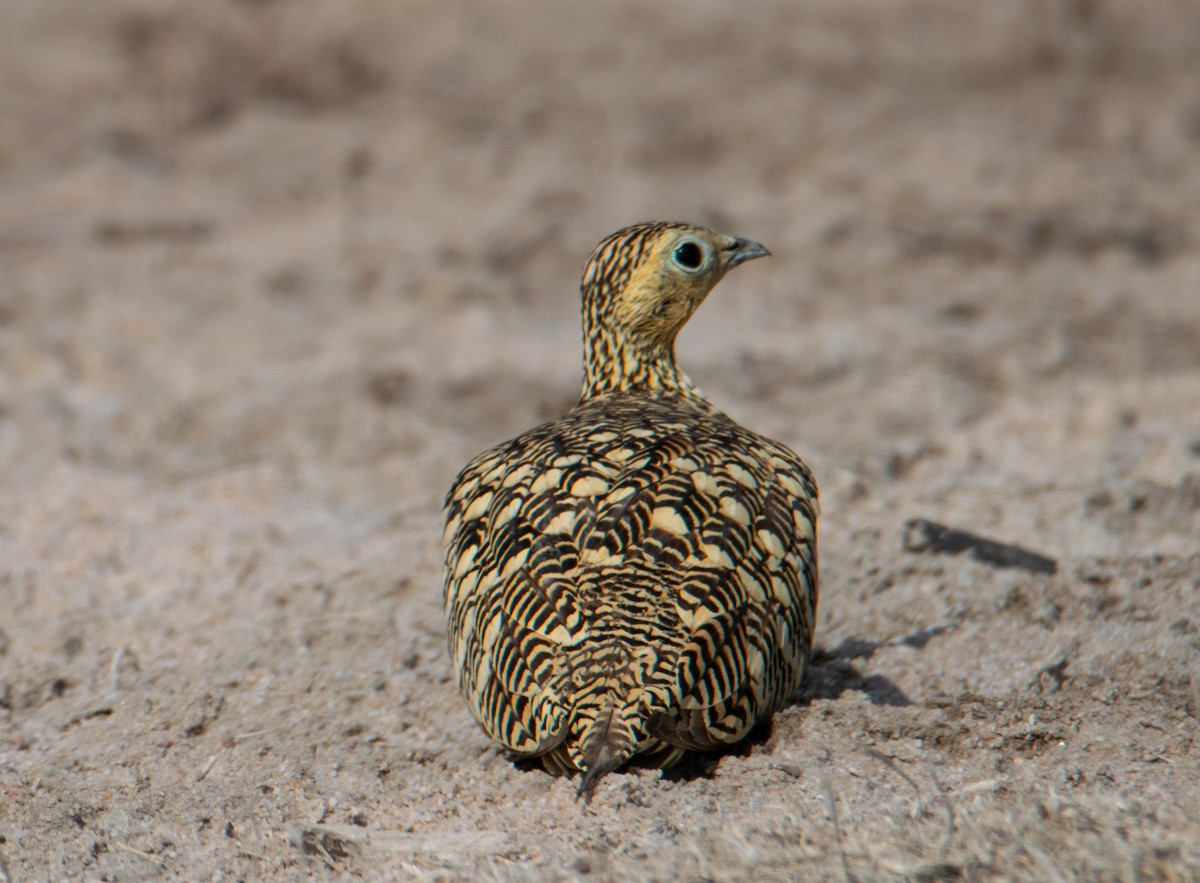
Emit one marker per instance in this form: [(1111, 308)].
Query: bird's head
[(640, 286), (644, 282)]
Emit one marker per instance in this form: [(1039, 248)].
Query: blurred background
[(218, 214), (272, 270)]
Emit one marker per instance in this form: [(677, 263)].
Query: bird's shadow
[(703, 764), (833, 672), (830, 674)]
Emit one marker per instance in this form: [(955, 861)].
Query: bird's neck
[(614, 364)]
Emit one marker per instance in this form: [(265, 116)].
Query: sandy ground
[(270, 272)]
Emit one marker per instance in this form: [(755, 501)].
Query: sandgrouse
[(638, 577)]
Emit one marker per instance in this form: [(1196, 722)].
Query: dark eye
[(689, 256)]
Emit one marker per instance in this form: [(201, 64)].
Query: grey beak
[(743, 250)]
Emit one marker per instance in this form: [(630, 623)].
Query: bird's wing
[(749, 629), (504, 623)]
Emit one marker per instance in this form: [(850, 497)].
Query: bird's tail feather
[(607, 742)]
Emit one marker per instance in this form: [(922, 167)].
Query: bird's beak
[(742, 250)]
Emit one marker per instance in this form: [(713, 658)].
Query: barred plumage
[(638, 577)]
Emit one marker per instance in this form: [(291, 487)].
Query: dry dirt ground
[(271, 271)]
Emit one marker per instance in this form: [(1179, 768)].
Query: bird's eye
[(689, 256)]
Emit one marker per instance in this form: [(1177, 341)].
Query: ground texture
[(270, 272)]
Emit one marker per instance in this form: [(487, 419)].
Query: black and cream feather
[(638, 577)]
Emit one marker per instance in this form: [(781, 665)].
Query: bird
[(636, 580)]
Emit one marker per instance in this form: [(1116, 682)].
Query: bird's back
[(638, 577)]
